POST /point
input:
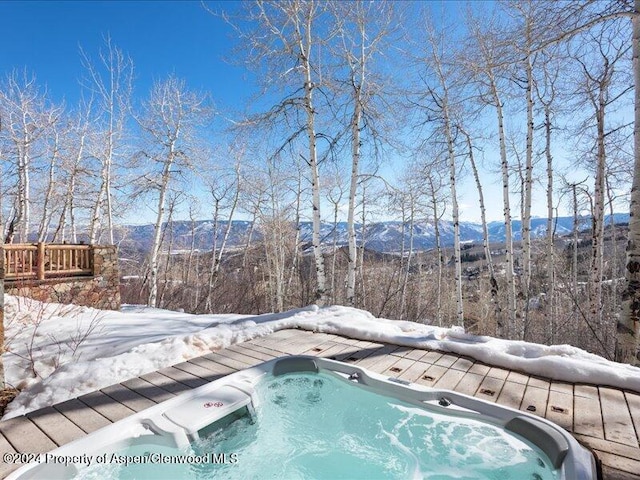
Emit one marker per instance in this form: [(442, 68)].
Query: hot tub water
[(316, 425)]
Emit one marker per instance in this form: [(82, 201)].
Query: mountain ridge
[(385, 237)]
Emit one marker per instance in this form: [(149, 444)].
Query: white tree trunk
[(486, 245), (295, 262), (526, 210), (157, 232), (511, 285), (112, 87), (25, 191), (305, 51), (597, 250), (628, 329), (45, 220), (456, 225), (551, 277), (436, 227), (355, 161), (68, 206)]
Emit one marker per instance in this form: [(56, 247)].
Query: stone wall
[(102, 290)]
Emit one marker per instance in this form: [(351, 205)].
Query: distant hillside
[(381, 236)]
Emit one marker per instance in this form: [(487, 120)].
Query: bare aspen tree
[(362, 30), (411, 195), (110, 82), (305, 44), (628, 328), (486, 246), (335, 193), (575, 230), (172, 201), (252, 196), (442, 105), (171, 118), (546, 94), (27, 116), (221, 188), (434, 191), (531, 25), (191, 263), (72, 167), (363, 234), (285, 45), (597, 88), (579, 17), (490, 59), (54, 154), (614, 272), (578, 193), (279, 234), (298, 190)]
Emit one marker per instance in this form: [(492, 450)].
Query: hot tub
[(307, 417)]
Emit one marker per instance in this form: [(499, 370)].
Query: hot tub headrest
[(550, 441), (294, 364)]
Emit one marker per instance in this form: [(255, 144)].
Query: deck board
[(512, 394), (490, 388), (535, 400), (378, 363), (470, 383), (148, 390), (450, 379), (446, 360), (376, 355), (400, 366), (462, 364), (164, 382), (560, 409), (191, 381), (414, 372), (24, 436), (587, 418), (5, 447), (203, 365), (517, 377), (331, 350), (106, 406), (260, 356), (55, 425), (618, 426), (633, 401), (85, 418), (432, 375), (605, 419), (197, 370), (128, 397)]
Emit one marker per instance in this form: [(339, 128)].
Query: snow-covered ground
[(57, 352)]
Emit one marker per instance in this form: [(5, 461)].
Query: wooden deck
[(607, 420)]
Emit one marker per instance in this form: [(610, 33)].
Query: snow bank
[(58, 352)]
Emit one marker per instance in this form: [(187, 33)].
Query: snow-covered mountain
[(380, 236)]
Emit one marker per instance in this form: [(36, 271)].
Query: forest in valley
[(363, 112)]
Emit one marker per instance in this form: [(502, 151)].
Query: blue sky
[(162, 37)]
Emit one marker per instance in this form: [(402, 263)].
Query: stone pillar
[(107, 276)]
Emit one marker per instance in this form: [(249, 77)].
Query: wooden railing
[(41, 260)]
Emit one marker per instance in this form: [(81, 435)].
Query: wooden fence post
[(40, 261)]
